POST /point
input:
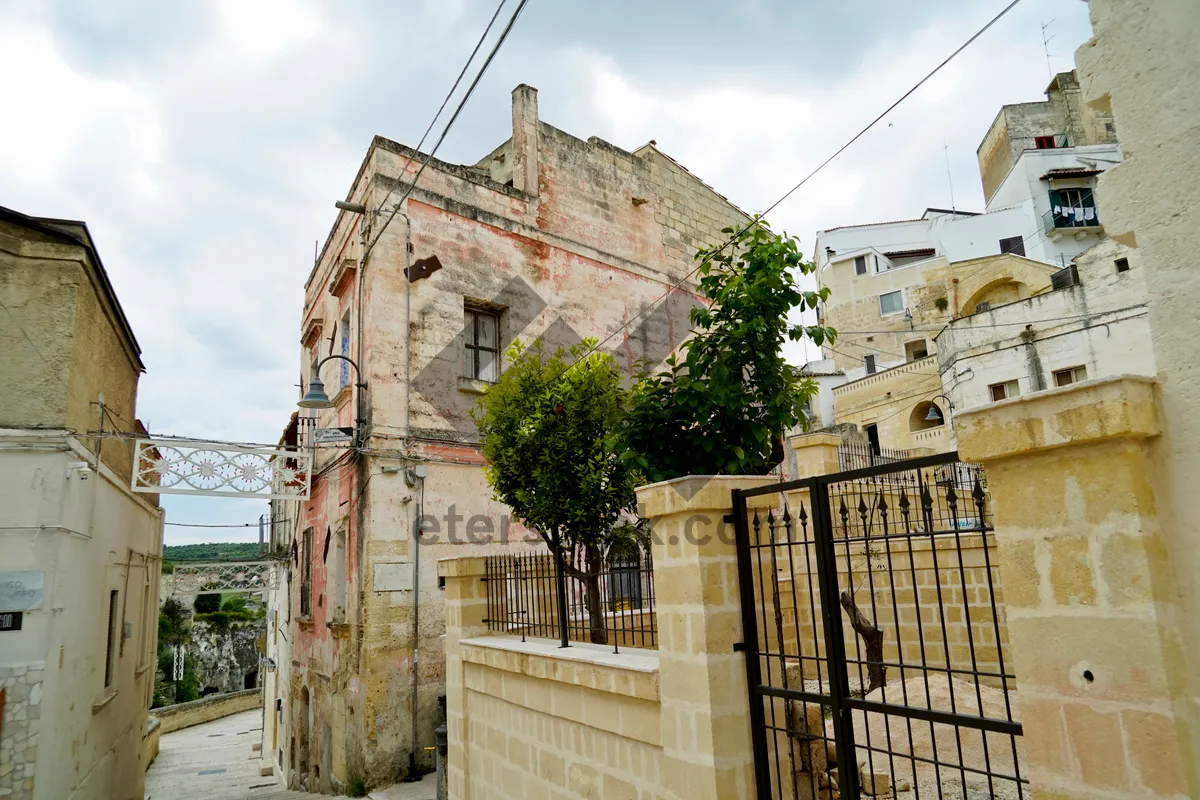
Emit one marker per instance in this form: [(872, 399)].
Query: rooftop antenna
[(1046, 45), (949, 179)]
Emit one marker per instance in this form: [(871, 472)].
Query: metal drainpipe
[(407, 326), (412, 754)]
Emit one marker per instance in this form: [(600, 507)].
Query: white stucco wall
[(87, 535), (1101, 325), (955, 238), (276, 731), (825, 372)]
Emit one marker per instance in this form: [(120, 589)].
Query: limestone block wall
[(22, 686), (540, 721), (887, 400), (898, 586), (854, 309), (215, 706)]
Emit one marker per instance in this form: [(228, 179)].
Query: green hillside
[(211, 551)]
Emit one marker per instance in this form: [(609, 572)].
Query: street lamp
[(934, 414), (315, 397)]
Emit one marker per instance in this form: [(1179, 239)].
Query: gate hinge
[(739, 647)]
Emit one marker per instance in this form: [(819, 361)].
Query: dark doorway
[(873, 438), (251, 680)]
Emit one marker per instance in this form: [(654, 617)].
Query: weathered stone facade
[(1063, 113), (22, 687), (1095, 328), (228, 659), (559, 239), (81, 666), (1141, 63)]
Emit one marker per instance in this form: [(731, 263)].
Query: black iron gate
[(875, 636)]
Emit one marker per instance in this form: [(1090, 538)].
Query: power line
[(442, 108), (238, 525), (470, 90), (1072, 318), (759, 216)]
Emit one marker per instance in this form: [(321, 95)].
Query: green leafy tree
[(723, 404), (207, 603), (548, 430), (235, 604), (174, 630)]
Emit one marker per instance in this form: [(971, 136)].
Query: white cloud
[(54, 110), (205, 148), (263, 28)]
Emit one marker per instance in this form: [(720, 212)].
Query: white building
[(1093, 324), (1038, 163), (80, 553)]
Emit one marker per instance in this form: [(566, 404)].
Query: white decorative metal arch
[(220, 469)]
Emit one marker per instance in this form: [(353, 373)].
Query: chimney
[(525, 139)]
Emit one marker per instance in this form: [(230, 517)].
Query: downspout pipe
[(416, 643), (408, 248)]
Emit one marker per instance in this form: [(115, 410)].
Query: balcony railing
[(1064, 217), (1054, 141)]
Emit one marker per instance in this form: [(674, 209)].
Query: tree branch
[(872, 637)]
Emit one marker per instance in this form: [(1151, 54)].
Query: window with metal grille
[(481, 344)]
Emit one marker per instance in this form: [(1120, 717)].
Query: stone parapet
[(1090, 598)]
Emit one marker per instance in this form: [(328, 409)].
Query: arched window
[(925, 415)]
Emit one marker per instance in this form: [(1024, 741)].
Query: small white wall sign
[(21, 591)]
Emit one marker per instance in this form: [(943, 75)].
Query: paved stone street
[(215, 761)]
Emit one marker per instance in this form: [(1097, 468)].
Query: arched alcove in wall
[(996, 293), (919, 420)]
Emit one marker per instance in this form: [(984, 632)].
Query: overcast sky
[(204, 142)]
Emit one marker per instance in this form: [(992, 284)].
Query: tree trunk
[(873, 639), (591, 595)]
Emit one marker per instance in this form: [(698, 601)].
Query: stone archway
[(996, 293), (918, 419)]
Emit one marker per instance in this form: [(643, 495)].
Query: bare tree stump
[(872, 637)]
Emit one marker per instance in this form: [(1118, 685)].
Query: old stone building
[(80, 553), (896, 286), (1091, 324), (1063, 121), (548, 236)]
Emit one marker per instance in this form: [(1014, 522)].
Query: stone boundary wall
[(541, 721), (150, 741), (906, 592), (206, 709), (22, 685)]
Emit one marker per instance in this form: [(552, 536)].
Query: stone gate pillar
[(707, 752), (1089, 596), (466, 612)]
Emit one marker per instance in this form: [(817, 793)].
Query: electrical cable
[(470, 90), (1071, 318), (442, 108), (759, 216), (231, 525)]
